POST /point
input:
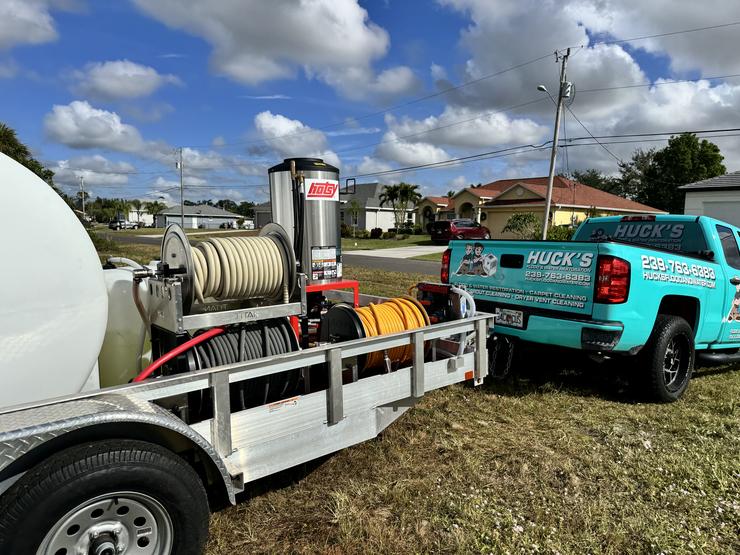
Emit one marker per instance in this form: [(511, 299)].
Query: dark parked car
[(445, 230)]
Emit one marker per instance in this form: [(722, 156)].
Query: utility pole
[(182, 195), (82, 194), (553, 153)]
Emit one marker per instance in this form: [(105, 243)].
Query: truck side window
[(729, 246)]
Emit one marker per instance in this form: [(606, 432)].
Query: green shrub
[(418, 230), (345, 230), (101, 242), (402, 237), (362, 234), (388, 235)]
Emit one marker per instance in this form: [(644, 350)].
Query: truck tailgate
[(527, 274)]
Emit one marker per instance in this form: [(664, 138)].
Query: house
[(494, 203), (141, 217), (200, 216), (431, 209), (718, 197), (369, 215)]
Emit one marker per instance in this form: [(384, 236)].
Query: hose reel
[(345, 323), (231, 268)]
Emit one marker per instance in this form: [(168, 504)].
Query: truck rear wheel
[(106, 498), (669, 358)]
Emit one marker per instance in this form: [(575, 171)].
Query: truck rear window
[(679, 236)]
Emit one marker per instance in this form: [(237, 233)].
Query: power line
[(592, 136), (662, 83), (671, 33)]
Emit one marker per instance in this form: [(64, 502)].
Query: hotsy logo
[(322, 190)]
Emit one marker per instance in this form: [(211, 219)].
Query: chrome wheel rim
[(673, 363), (118, 523)]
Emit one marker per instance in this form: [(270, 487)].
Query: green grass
[(434, 257), (350, 244), (558, 460)]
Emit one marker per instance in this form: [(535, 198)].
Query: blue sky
[(108, 90)]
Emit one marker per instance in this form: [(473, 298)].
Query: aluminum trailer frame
[(240, 447)]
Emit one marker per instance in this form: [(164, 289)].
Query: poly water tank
[(53, 302)]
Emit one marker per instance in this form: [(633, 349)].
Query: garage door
[(726, 211)]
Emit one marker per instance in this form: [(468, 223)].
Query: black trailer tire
[(668, 358), (134, 495)]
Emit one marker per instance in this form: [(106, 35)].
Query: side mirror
[(350, 186)]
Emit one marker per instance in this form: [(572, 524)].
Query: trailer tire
[(668, 358), (130, 494)]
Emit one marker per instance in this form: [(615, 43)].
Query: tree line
[(653, 176)]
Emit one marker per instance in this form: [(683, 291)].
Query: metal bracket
[(221, 421), (417, 368), (334, 394)]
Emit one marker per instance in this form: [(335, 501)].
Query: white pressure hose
[(468, 298), (238, 267)]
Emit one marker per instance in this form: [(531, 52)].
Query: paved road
[(375, 262), (401, 252)]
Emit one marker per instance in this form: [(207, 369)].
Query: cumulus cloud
[(360, 83), (80, 125), (120, 79), (465, 127), (290, 137), (333, 40), (26, 22), (399, 150), (372, 165), (96, 170)]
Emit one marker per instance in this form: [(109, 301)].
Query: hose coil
[(392, 316), (239, 267), (252, 341)]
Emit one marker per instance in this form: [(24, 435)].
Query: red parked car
[(445, 230)]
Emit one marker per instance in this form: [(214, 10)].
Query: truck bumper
[(586, 335)]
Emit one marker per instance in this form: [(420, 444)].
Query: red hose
[(177, 351)]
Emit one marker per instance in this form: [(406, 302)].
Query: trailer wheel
[(106, 498), (669, 358)]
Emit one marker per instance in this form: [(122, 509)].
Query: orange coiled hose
[(392, 316)]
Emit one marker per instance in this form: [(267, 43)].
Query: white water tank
[(53, 302)]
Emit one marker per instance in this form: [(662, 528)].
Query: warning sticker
[(325, 263)]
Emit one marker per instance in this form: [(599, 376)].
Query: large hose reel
[(231, 268)]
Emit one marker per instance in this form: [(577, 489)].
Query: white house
[(370, 213), (200, 216), (718, 197)]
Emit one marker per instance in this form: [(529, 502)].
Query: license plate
[(507, 317)]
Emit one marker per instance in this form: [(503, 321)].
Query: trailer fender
[(29, 436)]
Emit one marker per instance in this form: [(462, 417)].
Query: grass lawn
[(434, 257), (350, 244), (559, 459)]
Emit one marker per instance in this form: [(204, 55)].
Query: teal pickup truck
[(663, 289)]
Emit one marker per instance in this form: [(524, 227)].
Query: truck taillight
[(640, 218), (444, 275), (612, 280)]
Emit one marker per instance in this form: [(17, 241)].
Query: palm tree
[(12, 147), (391, 195), (450, 194), (407, 195)]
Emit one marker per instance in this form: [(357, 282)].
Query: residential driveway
[(400, 252)]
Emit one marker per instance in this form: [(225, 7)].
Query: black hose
[(268, 338)]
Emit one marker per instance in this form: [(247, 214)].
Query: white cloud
[(372, 165), (95, 170), (459, 183), (79, 125), (26, 22), (292, 138), (120, 79), (359, 83), (403, 152), (255, 41), (464, 127), (8, 68), (267, 97), (218, 141)]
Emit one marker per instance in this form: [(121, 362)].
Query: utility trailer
[(257, 361), (125, 436)]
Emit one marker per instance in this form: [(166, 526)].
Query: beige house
[(432, 209), (572, 202)]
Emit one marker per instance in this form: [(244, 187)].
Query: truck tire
[(109, 497), (668, 358)]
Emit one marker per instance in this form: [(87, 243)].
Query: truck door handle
[(735, 280)]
